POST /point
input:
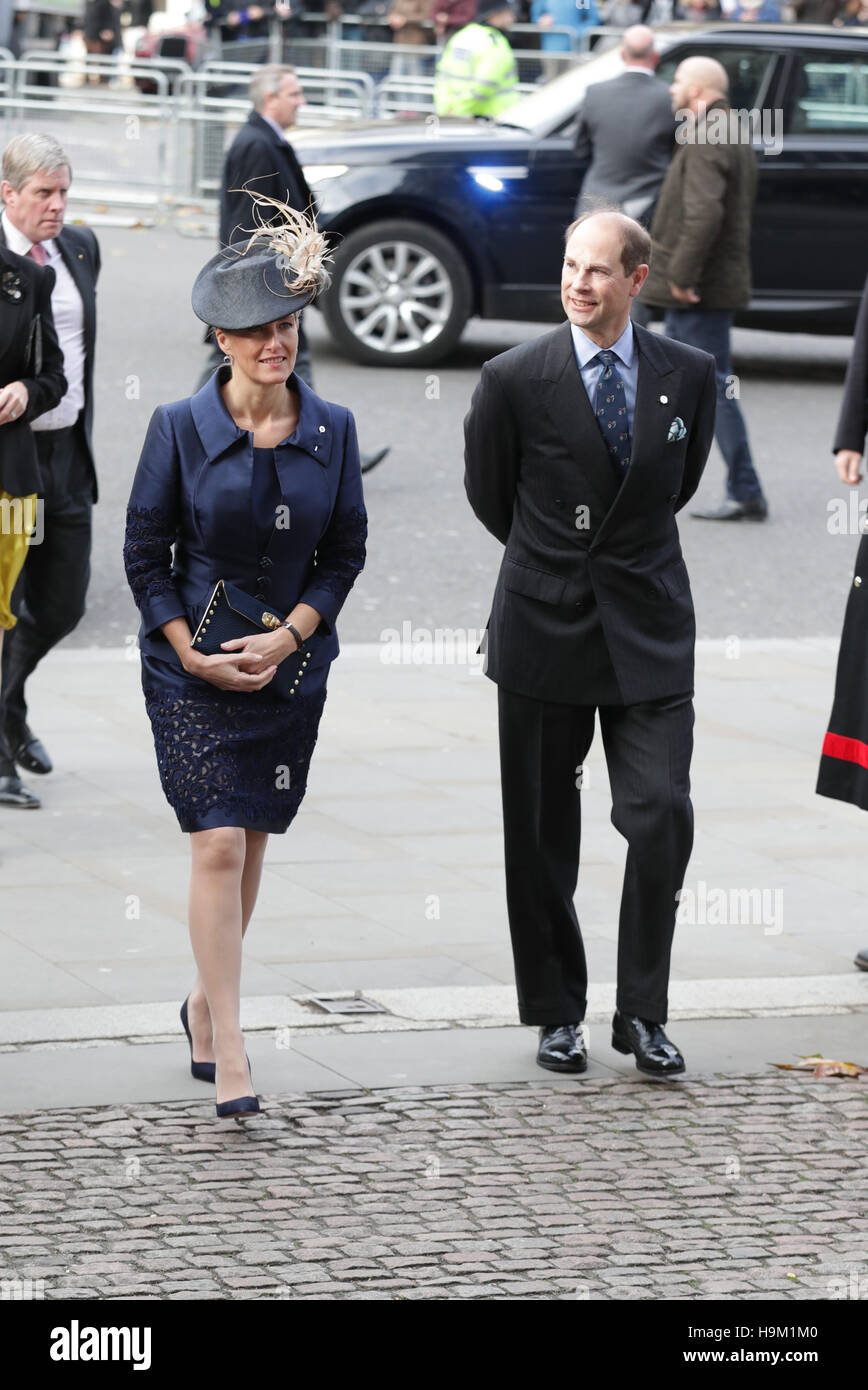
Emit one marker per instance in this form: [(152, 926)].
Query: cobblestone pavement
[(733, 1188)]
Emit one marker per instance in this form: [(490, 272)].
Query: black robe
[(844, 761)]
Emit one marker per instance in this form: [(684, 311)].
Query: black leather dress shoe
[(861, 959), (653, 1051), (562, 1048), (369, 461), (753, 509), (14, 793), (26, 749)]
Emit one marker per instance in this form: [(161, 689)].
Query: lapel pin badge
[(664, 400)]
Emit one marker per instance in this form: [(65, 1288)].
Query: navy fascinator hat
[(278, 270)]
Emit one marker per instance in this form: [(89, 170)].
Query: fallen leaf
[(838, 1069), (822, 1066)]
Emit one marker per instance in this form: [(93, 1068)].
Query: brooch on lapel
[(10, 286), (676, 430)]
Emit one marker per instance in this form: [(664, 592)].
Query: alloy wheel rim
[(396, 297)]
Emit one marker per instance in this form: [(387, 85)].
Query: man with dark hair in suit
[(626, 132), (580, 448), (49, 597), (262, 160)]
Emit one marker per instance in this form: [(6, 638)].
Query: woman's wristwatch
[(299, 640)]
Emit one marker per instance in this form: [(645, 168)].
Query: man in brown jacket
[(700, 270)]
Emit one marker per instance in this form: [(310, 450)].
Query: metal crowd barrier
[(334, 95), (607, 36), (342, 46), (119, 139), (390, 62), (354, 22), (152, 133)]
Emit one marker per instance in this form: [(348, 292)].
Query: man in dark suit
[(261, 157), (580, 448), (262, 160), (49, 597), (626, 133)]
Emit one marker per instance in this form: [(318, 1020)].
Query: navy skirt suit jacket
[(289, 522)]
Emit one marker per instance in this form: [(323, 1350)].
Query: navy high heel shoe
[(202, 1071), (241, 1108)]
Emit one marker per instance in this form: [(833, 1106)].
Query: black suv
[(434, 221)]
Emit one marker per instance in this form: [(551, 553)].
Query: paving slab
[(391, 882), (293, 1048)]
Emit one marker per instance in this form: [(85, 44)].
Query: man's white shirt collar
[(19, 243)]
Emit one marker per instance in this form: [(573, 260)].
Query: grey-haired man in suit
[(262, 160), (580, 448)]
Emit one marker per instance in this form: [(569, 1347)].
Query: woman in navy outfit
[(254, 480)]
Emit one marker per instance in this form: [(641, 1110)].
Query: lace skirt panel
[(229, 759)]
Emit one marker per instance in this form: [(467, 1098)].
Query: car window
[(552, 107), (746, 68), (829, 93)]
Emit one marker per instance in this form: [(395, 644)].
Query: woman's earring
[(227, 360)]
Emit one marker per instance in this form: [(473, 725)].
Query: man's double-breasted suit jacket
[(592, 604)]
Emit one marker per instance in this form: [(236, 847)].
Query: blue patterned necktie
[(610, 408)]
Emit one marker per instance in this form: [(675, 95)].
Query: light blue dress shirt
[(627, 364), (278, 129)]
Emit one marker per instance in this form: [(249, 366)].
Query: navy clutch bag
[(230, 613)]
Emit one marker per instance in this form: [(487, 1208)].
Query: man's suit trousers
[(543, 747)]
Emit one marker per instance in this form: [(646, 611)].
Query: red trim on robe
[(850, 750)]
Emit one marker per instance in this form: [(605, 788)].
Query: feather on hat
[(278, 269)]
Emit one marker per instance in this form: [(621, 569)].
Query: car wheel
[(400, 295)]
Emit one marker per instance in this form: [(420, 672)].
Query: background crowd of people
[(562, 25)]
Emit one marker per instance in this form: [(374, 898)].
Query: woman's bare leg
[(257, 841), (199, 1016), (216, 934)]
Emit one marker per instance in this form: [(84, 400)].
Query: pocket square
[(676, 430)]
